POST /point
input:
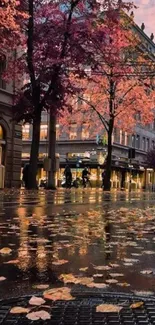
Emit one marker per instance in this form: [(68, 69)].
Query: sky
[(145, 13)]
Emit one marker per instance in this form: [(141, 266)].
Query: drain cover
[(82, 311)]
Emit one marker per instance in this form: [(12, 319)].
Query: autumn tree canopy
[(10, 29), (119, 88), (55, 33)]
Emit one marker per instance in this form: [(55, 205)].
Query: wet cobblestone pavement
[(87, 239)]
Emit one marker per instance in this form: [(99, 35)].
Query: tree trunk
[(51, 151), (107, 183), (33, 168)]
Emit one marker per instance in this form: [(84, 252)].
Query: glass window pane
[(85, 131), (73, 132), (43, 132), (26, 132)]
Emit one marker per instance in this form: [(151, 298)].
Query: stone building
[(79, 150), (10, 136)]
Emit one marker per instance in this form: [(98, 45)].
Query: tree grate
[(82, 311)]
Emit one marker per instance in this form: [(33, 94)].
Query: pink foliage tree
[(120, 85), (55, 31), (10, 29)]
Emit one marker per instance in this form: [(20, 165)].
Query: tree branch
[(62, 55), (30, 49), (103, 120)]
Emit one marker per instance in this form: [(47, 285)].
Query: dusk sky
[(145, 13)]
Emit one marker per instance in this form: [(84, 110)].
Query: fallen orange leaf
[(108, 308), (137, 305)]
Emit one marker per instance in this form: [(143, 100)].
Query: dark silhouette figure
[(68, 176), (85, 177), (26, 175)]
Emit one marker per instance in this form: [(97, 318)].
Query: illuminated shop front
[(123, 174)]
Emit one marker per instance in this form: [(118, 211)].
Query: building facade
[(10, 136), (78, 149)]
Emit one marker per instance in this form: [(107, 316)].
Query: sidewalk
[(86, 241)]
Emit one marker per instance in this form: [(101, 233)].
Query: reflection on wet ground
[(96, 239), (62, 196)]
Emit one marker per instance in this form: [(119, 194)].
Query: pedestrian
[(26, 175), (68, 176), (85, 177)]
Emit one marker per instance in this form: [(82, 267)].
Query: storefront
[(122, 174), (95, 174)]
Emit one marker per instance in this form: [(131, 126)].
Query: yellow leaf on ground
[(5, 250), (97, 275), (149, 252), (69, 278), (36, 301), (85, 281), (36, 315), (114, 265), (58, 294), (146, 272), (19, 310), (108, 308), (102, 268), (130, 260), (60, 262), (41, 286), (97, 285), (111, 281), (83, 269), (124, 284), (113, 275), (137, 305)]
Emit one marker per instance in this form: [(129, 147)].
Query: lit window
[(125, 138), (25, 155), (26, 132), (57, 131), (73, 132), (42, 155), (85, 131), (1, 133), (121, 137), (43, 132)]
